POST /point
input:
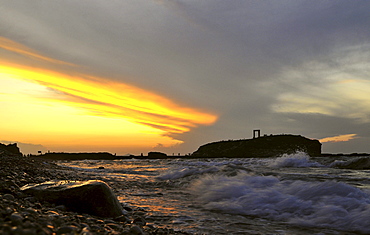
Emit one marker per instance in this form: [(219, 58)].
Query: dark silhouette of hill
[(266, 146)]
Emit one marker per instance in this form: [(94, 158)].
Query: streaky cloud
[(100, 96), (339, 138)]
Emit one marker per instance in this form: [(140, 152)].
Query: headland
[(264, 146)]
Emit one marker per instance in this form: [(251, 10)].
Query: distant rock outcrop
[(266, 146), (10, 148), (78, 156), (156, 155), (92, 197)]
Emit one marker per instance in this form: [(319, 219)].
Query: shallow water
[(292, 194)]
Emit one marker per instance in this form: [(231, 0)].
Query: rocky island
[(264, 146)]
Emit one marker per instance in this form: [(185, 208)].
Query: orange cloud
[(339, 138), (104, 97), (108, 98)]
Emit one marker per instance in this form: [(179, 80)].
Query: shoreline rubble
[(25, 214)]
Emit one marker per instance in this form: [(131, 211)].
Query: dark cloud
[(272, 65)]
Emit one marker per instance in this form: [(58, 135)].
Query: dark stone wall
[(266, 146)]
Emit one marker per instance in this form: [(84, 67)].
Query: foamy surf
[(293, 194), (326, 204)]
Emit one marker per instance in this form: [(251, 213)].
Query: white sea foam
[(355, 163), (326, 204), (298, 159), (185, 171)]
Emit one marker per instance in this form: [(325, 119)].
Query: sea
[(290, 194)]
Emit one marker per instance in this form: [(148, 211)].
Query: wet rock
[(92, 197)]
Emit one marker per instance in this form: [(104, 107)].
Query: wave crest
[(298, 159), (315, 204)]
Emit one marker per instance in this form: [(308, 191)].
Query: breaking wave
[(298, 159), (186, 171), (356, 164), (326, 204)]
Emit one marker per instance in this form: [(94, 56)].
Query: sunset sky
[(161, 75)]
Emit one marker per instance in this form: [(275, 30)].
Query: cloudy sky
[(143, 75)]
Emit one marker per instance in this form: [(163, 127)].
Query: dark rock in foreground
[(92, 197), (267, 146)]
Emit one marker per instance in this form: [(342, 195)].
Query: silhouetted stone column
[(258, 132)]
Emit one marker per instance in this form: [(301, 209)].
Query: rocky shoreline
[(24, 214)]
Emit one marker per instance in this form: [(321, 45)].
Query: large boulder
[(93, 197)]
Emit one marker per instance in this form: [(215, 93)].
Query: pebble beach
[(23, 214)]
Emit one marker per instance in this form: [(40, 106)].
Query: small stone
[(45, 231), (61, 208), (31, 211), (127, 208), (100, 221), (9, 210), (83, 225), (28, 224), (139, 221), (30, 199), (17, 230), (114, 226), (28, 231), (122, 218), (86, 231), (136, 230), (67, 229), (96, 228), (16, 218), (52, 213), (8, 197)]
